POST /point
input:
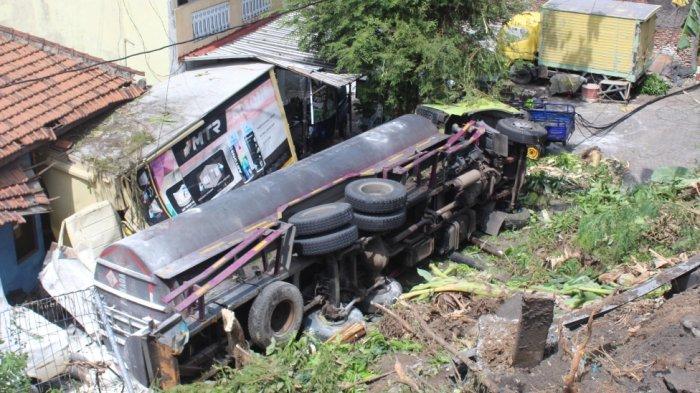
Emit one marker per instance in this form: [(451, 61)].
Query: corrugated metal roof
[(612, 8), (277, 43)]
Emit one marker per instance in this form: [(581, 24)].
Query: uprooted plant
[(306, 365)]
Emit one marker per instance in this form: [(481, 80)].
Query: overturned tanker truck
[(308, 246)]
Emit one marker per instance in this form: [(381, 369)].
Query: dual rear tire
[(324, 229), (378, 204)]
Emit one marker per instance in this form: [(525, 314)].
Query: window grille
[(252, 9), (210, 20)]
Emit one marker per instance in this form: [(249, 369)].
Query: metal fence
[(64, 340)]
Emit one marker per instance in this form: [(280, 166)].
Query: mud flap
[(491, 220)]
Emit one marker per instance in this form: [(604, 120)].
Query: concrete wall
[(111, 29), (107, 29), (183, 20), (20, 275)]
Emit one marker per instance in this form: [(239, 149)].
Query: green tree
[(409, 50)]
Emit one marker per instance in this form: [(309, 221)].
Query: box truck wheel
[(321, 218), (380, 222), (330, 242), (276, 313), (376, 195)]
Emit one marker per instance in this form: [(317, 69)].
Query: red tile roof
[(47, 100), (20, 194), (39, 100)]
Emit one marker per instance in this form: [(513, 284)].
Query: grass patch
[(601, 225), (654, 85)]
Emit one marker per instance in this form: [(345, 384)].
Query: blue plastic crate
[(557, 119)]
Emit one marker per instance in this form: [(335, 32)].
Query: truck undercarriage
[(310, 247)]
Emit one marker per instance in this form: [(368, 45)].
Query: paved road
[(666, 133)]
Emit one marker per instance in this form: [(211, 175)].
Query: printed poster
[(235, 145)]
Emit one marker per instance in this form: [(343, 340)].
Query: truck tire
[(376, 195), (330, 242), (321, 218), (380, 222), (522, 131), (276, 313)]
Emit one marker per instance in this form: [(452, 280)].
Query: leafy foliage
[(306, 366), (603, 224), (12, 376), (654, 85), (409, 50)]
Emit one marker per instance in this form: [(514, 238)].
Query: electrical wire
[(599, 130), (145, 52)]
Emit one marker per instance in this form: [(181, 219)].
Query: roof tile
[(37, 96), (31, 109)]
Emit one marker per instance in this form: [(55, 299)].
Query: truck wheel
[(276, 313), (322, 218), (376, 195), (522, 131), (324, 244), (322, 329), (378, 223)]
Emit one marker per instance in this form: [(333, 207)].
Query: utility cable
[(602, 129), (99, 63)]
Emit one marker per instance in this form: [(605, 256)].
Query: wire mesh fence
[(62, 338)]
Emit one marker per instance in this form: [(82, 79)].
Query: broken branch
[(570, 378)]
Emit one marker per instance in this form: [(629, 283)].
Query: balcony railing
[(252, 9), (210, 20)]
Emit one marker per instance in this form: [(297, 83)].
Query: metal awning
[(277, 43), (612, 8)]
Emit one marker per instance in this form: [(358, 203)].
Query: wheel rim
[(375, 189), (282, 317), (533, 153)]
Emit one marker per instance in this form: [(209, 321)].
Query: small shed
[(611, 38)]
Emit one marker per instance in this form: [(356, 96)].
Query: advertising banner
[(240, 141)]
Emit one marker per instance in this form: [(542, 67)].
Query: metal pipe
[(487, 247), (226, 273), (459, 258), (126, 378), (518, 179), (410, 230), (467, 179), (214, 266)]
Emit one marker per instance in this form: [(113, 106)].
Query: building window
[(25, 239), (181, 2), (212, 20), (252, 9)]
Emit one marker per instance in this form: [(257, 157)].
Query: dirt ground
[(644, 346), (453, 316)]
